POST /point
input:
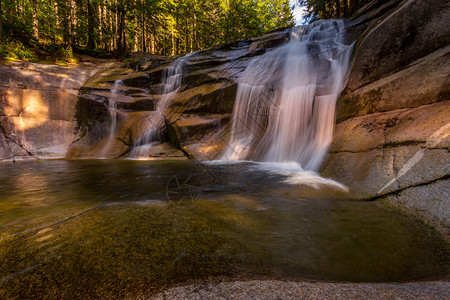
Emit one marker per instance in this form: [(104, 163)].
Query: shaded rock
[(270, 40), (198, 112), (38, 104), (115, 69), (126, 103), (190, 129), (368, 16), (96, 134), (159, 151), (392, 138), (431, 199), (207, 149), (407, 34), (385, 153), (425, 81), (376, 172), (215, 98), (24, 75), (146, 61), (398, 127)]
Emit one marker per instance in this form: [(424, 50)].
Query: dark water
[(104, 228)]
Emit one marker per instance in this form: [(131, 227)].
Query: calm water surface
[(103, 228)]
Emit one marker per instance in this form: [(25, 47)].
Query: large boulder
[(37, 108), (197, 116), (424, 81), (411, 31), (391, 142)]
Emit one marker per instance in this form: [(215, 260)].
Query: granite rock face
[(391, 140), (37, 105), (198, 113), (402, 35)]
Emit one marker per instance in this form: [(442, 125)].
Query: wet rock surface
[(273, 289), (37, 107), (197, 116), (391, 142), (409, 31), (424, 81), (399, 157)]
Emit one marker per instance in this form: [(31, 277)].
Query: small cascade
[(171, 79), (285, 103), (112, 109)]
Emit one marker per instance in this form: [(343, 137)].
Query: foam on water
[(285, 104)]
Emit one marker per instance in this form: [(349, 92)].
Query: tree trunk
[(91, 21), (338, 9), (152, 41), (352, 5), (35, 20), (194, 34), (116, 27), (144, 44), (121, 43), (124, 32), (136, 28), (112, 32), (173, 42), (345, 8), (1, 22), (74, 22), (177, 39), (57, 12), (186, 32), (100, 25)]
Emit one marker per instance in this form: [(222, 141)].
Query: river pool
[(117, 228)]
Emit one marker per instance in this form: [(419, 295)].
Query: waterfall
[(285, 103), (112, 109), (171, 80)]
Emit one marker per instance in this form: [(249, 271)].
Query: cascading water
[(285, 103), (112, 109), (171, 80)]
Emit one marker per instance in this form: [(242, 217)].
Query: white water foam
[(112, 109), (172, 79), (285, 103)]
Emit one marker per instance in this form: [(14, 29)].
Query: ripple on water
[(120, 228)]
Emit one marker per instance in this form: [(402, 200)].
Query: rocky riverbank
[(391, 142), (274, 289), (37, 107)]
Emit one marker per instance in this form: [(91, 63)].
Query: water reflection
[(107, 229)]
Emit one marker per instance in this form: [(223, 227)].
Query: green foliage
[(328, 9), (55, 52), (12, 49), (164, 27)]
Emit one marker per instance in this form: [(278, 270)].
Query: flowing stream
[(127, 228), (118, 228), (171, 81), (285, 103), (112, 109)]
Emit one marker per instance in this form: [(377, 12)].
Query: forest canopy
[(163, 27), (39, 29), (333, 9)]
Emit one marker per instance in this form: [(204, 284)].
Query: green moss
[(13, 50)]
